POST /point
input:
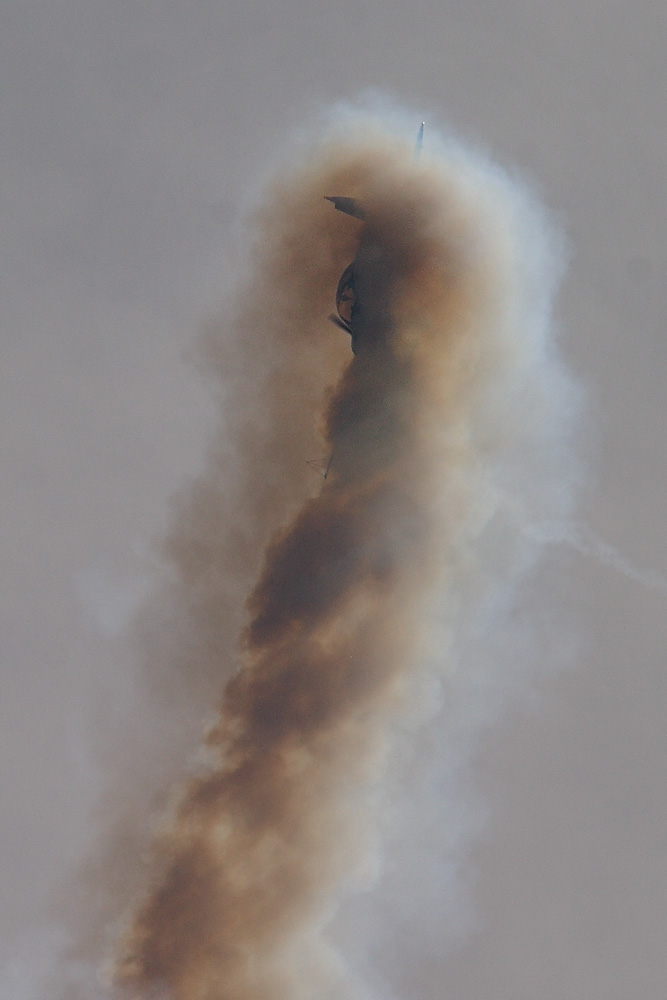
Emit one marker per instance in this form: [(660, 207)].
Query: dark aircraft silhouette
[(361, 307)]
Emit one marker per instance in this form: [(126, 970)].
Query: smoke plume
[(454, 401)]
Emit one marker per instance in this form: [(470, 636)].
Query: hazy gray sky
[(131, 136)]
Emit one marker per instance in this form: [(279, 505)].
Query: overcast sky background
[(131, 135)]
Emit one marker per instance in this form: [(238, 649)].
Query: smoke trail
[(587, 543), (453, 389)]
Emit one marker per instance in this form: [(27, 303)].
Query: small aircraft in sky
[(354, 296)]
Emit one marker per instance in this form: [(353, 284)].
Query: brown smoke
[(258, 849)]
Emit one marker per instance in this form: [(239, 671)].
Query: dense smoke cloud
[(447, 428)]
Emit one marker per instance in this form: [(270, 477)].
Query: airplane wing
[(351, 207), (420, 141), (346, 205)]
